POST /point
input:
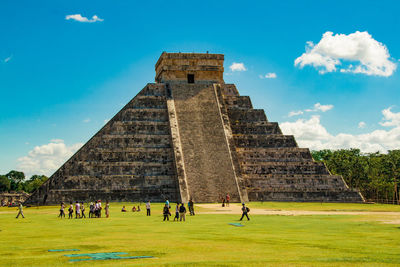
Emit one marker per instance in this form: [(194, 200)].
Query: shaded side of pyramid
[(130, 159), (272, 165)]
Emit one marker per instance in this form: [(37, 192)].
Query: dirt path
[(236, 209)]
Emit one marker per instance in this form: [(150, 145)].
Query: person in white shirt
[(148, 208), (77, 210)]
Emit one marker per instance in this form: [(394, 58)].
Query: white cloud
[(390, 118), (269, 75), (7, 59), (312, 134), (361, 124), (323, 108), (46, 159), (78, 17), (86, 120), (356, 53), (295, 113), (237, 67), (317, 107)]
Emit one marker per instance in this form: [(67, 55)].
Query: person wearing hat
[(245, 210)]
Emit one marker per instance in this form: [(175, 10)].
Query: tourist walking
[(191, 207), (148, 208), (176, 212), (107, 209), (62, 213), (245, 211), (182, 212), (77, 210), (70, 211), (228, 199), (20, 211), (166, 212), (83, 211)]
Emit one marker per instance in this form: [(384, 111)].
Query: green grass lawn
[(324, 206), (204, 239)]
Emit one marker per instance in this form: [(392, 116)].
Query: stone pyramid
[(190, 135)]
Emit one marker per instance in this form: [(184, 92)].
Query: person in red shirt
[(228, 198)]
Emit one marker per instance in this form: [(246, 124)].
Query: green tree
[(34, 183), (16, 179), (4, 183)]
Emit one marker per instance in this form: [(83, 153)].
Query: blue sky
[(60, 79)]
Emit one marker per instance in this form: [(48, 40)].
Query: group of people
[(134, 209), (96, 208), (79, 208), (180, 210), (225, 200)]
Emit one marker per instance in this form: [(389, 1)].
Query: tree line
[(376, 175), (15, 181)]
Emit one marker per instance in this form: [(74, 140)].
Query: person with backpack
[(245, 211), (166, 212), (182, 212)]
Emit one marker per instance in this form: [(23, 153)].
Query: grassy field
[(204, 239)]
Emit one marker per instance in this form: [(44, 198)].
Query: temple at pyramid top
[(187, 136), (190, 68)]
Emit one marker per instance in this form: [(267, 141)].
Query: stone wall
[(174, 67)]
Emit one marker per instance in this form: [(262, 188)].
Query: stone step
[(286, 168), (237, 102), (119, 141), (140, 114), (153, 89), (308, 182), (133, 127), (237, 116), (113, 156), (133, 168), (142, 102), (249, 128), (270, 141), (229, 90), (310, 196)]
